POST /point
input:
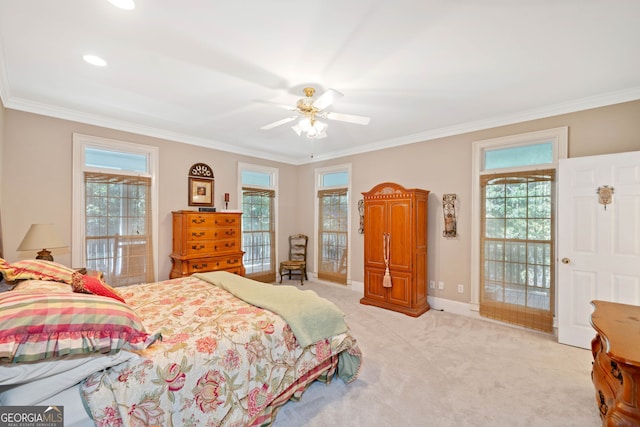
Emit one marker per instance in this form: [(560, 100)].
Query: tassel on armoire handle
[(386, 247)]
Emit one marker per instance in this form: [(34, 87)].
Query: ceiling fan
[(309, 109)]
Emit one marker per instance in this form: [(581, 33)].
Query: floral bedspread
[(221, 361)]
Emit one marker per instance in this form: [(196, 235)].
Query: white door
[(598, 248)]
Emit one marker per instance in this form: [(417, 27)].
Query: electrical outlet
[(432, 284), (461, 289), (441, 285)]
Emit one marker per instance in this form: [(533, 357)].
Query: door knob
[(566, 260)]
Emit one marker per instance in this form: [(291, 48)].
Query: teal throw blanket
[(310, 317)]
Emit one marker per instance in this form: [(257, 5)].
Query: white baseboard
[(451, 306), (357, 286)]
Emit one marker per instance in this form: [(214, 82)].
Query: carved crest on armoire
[(395, 248)]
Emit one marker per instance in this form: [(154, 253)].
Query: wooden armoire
[(395, 238)]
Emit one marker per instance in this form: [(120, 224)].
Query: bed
[(210, 349)]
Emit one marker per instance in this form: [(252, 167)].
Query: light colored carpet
[(443, 369)]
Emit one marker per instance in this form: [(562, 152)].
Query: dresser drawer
[(227, 220), (214, 247), (199, 220), (214, 264)]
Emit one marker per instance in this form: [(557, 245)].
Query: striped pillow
[(36, 269), (36, 326)]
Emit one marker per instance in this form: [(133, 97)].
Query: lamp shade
[(41, 237)]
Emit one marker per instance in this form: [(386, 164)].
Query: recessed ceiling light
[(95, 60), (123, 4)]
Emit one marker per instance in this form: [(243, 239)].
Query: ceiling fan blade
[(327, 99), (278, 123), (350, 118)]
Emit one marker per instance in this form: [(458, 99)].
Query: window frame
[(559, 138), (80, 142), (319, 173), (274, 173)]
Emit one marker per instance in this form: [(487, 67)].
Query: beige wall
[(443, 166), (36, 180)]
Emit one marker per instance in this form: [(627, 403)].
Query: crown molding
[(597, 101)]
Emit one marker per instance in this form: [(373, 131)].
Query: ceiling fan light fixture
[(310, 108), (317, 130), (305, 124), (320, 127)]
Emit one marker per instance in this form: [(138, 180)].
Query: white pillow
[(28, 383)]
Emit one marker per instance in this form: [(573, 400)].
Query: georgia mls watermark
[(31, 416)]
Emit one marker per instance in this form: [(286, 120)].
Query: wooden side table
[(616, 365)]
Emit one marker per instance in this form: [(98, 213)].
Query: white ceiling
[(207, 72)]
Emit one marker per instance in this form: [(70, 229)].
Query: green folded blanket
[(310, 317)]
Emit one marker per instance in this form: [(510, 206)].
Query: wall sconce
[(449, 211), (361, 213), (43, 237)]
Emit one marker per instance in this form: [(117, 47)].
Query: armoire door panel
[(373, 280), (400, 290), (374, 229), (400, 236)]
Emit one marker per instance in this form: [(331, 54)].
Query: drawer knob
[(200, 234), (199, 266), (197, 247), (198, 220)]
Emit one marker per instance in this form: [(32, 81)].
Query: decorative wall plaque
[(201, 188), (449, 211), (605, 195)]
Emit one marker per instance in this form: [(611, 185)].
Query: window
[(517, 248), (333, 222), (258, 221), (114, 200), (514, 238)]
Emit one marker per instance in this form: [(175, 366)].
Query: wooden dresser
[(616, 362), (206, 241), (395, 236)]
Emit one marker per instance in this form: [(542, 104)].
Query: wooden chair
[(297, 262)]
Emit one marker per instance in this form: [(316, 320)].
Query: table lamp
[(44, 237)]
